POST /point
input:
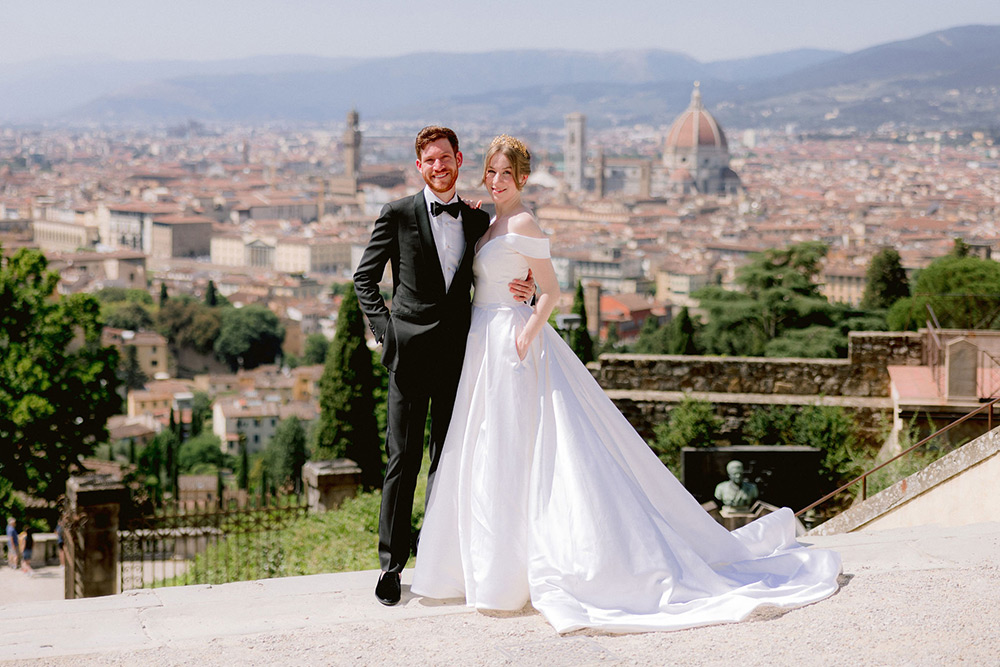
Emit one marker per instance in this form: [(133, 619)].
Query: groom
[(429, 241)]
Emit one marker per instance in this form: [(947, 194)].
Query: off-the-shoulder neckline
[(500, 236)]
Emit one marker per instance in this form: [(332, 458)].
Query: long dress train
[(545, 492)]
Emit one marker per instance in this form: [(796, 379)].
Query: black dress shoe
[(387, 590)]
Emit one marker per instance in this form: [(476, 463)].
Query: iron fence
[(201, 543)]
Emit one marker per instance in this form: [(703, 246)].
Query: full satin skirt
[(546, 493)]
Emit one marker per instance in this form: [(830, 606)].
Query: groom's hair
[(432, 133)]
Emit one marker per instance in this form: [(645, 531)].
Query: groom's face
[(439, 164)]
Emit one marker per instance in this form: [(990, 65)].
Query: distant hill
[(947, 78)]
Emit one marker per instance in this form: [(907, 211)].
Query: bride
[(546, 494)]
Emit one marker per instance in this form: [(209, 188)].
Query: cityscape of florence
[(779, 265)]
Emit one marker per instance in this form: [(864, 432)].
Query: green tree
[(827, 427), (249, 337), (579, 338), (780, 293), (149, 464), (611, 340), (243, 466), (681, 339), (652, 338), (124, 295), (960, 248), (286, 454), (201, 410), (58, 385), (127, 315), (211, 298), (202, 454), (347, 424), (817, 342), (692, 423), (963, 291), (316, 348), (833, 430), (171, 443), (185, 322), (770, 425), (132, 374), (163, 294), (886, 281)]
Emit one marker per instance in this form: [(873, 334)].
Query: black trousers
[(408, 402)]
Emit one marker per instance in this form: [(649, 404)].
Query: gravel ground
[(928, 602)]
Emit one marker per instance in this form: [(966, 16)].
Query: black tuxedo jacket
[(426, 330)]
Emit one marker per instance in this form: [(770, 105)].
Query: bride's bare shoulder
[(524, 223)]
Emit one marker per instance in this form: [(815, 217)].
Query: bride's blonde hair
[(515, 152)]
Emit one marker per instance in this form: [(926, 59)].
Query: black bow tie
[(452, 209)]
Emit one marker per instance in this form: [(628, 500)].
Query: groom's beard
[(442, 185)]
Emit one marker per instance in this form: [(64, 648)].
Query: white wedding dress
[(545, 492)]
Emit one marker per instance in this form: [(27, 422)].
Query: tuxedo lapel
[(427, 246), (472, 233)]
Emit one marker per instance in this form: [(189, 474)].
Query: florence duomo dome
[(695, 161), (696, 153)]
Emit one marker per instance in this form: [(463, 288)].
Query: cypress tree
[(886, 281), (211, 298), (652, 338), (163, 294), (579, 338), (243, 474), (171, 453), (220, 489), (286, 454), (131, 372), (347, 424), (681, 339)]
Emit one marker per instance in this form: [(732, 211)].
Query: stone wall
[(645, 387), (862, 374), (644, 410)]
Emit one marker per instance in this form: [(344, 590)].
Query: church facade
[(695, 160)]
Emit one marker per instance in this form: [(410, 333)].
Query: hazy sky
[(220, 29)]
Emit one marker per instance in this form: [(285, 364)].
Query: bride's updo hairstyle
[(516, 153)]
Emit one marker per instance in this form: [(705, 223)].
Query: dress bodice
[(500, 260)]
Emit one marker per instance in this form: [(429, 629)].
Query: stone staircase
[(958, 489)]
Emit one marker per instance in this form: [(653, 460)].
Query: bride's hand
[(522, 347)]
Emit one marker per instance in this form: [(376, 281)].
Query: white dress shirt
[(449, 237)]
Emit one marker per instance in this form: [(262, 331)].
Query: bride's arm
[(548, 295), (545, 278)]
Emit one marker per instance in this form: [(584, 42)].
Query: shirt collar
[(431, 196)]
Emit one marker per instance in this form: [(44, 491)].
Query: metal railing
[(199, 543), (863, 478)]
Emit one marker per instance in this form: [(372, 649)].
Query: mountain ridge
[(908, 82)]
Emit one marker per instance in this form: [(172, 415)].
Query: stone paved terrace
[(913, 596)]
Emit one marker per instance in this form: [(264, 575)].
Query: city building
[(89, 269), (297, 254), (574, 153), (256, 420), (181, 236), (130, 225), (150, 348)]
